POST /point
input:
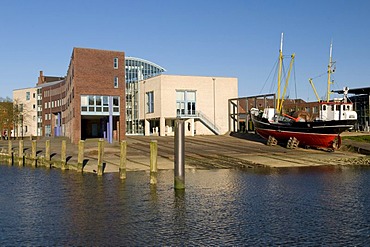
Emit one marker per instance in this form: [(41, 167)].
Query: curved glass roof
[(138, 69)]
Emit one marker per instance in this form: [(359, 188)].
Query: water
[(323, 206)]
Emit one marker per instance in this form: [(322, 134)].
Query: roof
[(146, 61), (49, 84)]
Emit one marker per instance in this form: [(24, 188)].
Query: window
[(33, 95), (28, 95), (185, 102), (99, 105), (116, 82), (115, 63), (150, 102), (34, 106), (105, 104)]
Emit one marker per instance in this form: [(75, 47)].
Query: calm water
[(306, 207)]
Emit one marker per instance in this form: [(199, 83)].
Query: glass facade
[(137, 70)]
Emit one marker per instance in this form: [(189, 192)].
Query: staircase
[(199, 116)]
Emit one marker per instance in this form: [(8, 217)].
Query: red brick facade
[(90, 72)]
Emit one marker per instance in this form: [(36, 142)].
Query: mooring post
[(100, 156), (10, 152), (63, 155), (153, 161), (122, 160), (20, 153), (33, 153), (179, 154), (80, 158), (47, 153)]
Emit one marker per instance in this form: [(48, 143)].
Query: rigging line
[(274, 79), (273, 68), (319, 75)]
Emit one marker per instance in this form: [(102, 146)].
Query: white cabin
[(336, 111)]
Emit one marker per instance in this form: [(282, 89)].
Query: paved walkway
[(202, 152)]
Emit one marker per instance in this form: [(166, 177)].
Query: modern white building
[(26, 101), (201, 100)]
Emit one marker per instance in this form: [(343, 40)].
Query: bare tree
[(6, 115)]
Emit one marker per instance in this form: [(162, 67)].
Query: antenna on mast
[(281, 42), (330, 71), (278, 100)]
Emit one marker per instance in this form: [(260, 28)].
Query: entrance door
[(94, 130)]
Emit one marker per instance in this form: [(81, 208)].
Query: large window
[(150, 102), (99, 105), (28, 95), (185, 103)]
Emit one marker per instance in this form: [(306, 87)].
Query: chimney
[(41, 78)]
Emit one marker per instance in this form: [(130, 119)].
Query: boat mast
[(329, 72), (280, 69), (280, 107)]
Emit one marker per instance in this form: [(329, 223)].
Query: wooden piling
[(153, 161), (63, 155), (100, 156), (20, 153), (47, 153), (122, 160), (33, 153), (80, 157), (10, 152)]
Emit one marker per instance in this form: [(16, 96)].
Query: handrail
[(203, 118)]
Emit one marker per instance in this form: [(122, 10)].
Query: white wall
[(29, 113), (212, 95)]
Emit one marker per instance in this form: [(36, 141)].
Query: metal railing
[(198, 115)]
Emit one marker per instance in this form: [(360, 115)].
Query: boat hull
[(320, 134)]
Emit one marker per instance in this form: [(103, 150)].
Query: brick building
[(89, 102)]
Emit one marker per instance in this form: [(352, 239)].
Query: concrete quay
[(241, 151)]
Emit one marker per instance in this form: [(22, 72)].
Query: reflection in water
[(298, 206)]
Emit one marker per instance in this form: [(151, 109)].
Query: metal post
[(179, 154), (110, 127)]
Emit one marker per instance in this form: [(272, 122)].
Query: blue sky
[(235, 38)]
